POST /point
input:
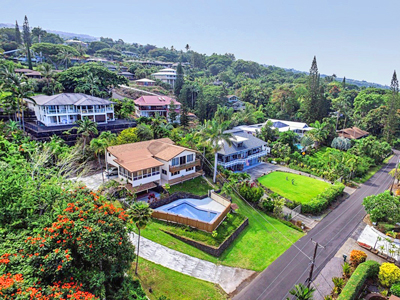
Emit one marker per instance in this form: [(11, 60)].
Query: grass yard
[(304, 188), (197, 186), (174, 285), (255, 248)]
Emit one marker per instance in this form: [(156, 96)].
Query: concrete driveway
[(262, 169), (94, 181)]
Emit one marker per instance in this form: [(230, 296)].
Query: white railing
[(242, 160)]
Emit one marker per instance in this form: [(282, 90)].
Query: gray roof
[(249, 142), (70, 99)]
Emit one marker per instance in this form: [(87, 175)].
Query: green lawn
[(304, 188), (174, 285), (255, 248), (196, 186)]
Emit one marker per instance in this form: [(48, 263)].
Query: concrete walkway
[(308, 222), (377, 239), (228, 278)]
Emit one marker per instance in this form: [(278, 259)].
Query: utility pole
[(313, 263)]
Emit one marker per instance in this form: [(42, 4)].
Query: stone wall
[(214, 251)]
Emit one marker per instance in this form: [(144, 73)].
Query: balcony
[(194, 163), (152, 108), (242, 160)]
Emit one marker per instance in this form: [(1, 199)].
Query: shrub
[(339, 284), (395, 289), (251, 192), (323, 200), (389, 274), (365, 270), (346, 270), (357, 257), (268, 205)]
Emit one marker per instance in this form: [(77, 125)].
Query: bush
[(389, 274), (346, 270), (268, 205), (357, 257), (365, 270), (395, 289), (251, 192), (323, 200)]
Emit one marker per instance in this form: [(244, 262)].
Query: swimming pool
[(185, 209), (299, 146)]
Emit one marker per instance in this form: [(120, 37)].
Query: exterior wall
[(181, 172), (57, 115)]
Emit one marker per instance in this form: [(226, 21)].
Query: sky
[(357, 39)]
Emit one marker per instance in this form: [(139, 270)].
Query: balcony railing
[(153, 108), (242, 160), (192, 164)]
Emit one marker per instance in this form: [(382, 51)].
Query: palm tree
[(140, 213), (301, 292), (92, 81), (65, 56), (108, 139), (319, 133), (213, 133), (306, 141), (46, 70), (99, 146), (86, 128)]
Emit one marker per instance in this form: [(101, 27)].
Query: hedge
[(323, 200), (353, 287)]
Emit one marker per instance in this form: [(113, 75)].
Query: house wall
[(181, 172)]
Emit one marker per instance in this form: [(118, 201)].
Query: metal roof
[(248, 140), (70, 99)]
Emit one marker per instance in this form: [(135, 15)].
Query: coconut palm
[(93, 83), (319, 133), (98, 146), (140, 213), (306, 141), (301, 292), (86, 128), (47, 72), (108, 139), (213, 134), (65, 57)]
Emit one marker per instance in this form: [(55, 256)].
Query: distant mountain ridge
[(360, 83), (64, 35), (89, 38)]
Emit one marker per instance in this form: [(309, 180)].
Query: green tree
[(383, 207), (127, 136), (184, 116), (313, 106), (18, 38), (179, 80), (213, 134), (268, 133), (26, 34), (140, 213), (98, 147), (86, 128), (144, 132), (319, 133), (172, 114), (392, 119)]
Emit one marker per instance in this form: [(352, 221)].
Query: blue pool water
[(298, 146), (187, 210)]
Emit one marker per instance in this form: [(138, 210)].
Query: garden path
[(308, 222), (228, 278)]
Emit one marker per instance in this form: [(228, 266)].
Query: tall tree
[(179, 80), (86, 128), (187, 47), (18, 38), (344, 83), (184, 116), (26, 34), (393, 105), (99, 146), (213, 134), (313, 104), (140, 213), (172, 114)]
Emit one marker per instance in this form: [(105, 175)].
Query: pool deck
[(203, 204)]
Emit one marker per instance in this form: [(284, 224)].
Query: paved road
[(292, 267)]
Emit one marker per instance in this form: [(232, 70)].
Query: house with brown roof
[(154, 106), (145, 165), (352, 133)]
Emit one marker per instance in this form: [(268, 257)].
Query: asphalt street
[(292, 267)]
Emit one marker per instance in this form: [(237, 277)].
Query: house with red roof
[(155, 106)]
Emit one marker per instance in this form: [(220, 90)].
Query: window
[(155, 171), (190, 158), (175, 161), (182, 160), (175, 173), (189, 169), (164, 171)]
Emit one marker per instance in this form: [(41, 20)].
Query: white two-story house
[(154, 106), (246, 151), (145, 165), (67, 108), (167, 75)]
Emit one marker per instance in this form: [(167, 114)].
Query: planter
[(374, 251), (391, 259), (384, 256)]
